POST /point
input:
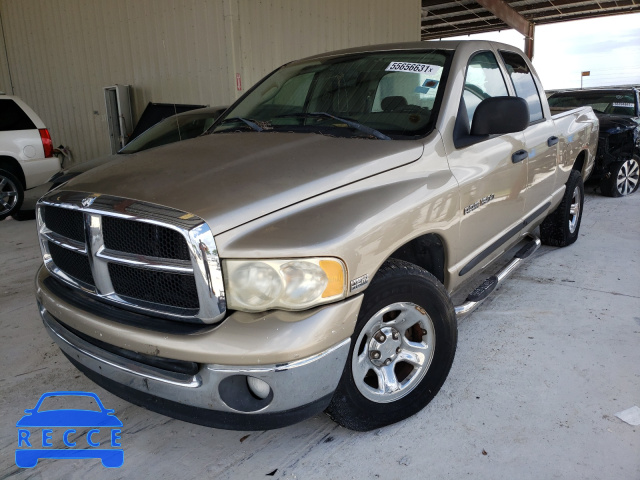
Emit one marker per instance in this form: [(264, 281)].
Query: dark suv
[(618, 156)]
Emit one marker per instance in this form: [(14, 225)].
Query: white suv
[(26, 153)]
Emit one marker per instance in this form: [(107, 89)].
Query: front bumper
[(216, 394)]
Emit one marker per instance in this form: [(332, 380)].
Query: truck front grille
[(68, 223), (156, 287), (143, 239), (74, 264), (132, 253)]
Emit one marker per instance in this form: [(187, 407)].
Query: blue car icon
[(68, 418)]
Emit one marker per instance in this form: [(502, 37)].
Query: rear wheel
[(401, 350), (561, 227), (622, 178), (11, 194)]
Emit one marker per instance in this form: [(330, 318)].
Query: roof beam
[(508, 15), (453, 29), (442, 19), (435, 3), (462, 18), (582, 15), (462, 31)]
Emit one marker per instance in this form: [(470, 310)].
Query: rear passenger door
[(541, 141), (491, 183)]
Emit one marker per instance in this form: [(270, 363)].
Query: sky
[(607, 47)]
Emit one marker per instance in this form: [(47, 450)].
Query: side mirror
[(499, 115)]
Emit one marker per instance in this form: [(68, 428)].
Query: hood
[(85, 166), (63, 176), (616, 123), (232, 178)]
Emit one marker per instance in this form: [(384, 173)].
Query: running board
[(482, 291)]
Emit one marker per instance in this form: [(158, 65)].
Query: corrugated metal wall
[(5, 78), (61, 54), (281, 31)]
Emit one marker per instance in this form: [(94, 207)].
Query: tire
[(22, 215), (412, 357), (561, 227), (11, 194), (622, 178)]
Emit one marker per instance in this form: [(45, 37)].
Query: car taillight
[(46, 142)]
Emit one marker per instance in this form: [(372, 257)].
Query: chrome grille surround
[(204, 264)]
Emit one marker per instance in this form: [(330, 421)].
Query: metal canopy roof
[(463, 17)]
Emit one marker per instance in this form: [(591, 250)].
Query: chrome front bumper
[(217, 395)]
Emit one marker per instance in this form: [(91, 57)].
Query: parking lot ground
[(541, 370)]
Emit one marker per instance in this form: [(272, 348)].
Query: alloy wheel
[(8, 195), (574, 209), (393, 352), (627, 179)]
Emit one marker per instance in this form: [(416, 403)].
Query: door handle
[(551, 141), (519, 156)]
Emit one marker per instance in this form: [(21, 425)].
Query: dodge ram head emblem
[(87, 201)]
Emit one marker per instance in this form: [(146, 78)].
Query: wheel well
[(579, 163), (426, 251), (11, 165)]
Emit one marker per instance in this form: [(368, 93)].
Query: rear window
[(617, 102), (12, 117)]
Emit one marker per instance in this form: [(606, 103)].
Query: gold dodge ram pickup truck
[(301, 255)]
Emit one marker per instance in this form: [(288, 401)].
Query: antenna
[(175, 110)]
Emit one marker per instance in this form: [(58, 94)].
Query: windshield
[(377, 95), (172, 129), (614, 103)]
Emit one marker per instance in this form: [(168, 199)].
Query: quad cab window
[(483, 80)]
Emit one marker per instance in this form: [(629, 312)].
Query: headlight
[(294, 284)]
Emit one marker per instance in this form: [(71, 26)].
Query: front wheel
[(621, 178), (11, 194), (401, 350), (561, 227)]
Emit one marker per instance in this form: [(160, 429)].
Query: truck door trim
[(503, 239)]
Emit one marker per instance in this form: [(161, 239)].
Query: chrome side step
[(482, 291)]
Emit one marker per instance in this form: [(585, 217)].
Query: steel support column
[(529, 41), (508, 15)]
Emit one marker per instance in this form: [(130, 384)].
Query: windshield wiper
[(253, 125), (350, 123)]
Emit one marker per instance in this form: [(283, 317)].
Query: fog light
[(259, 388)]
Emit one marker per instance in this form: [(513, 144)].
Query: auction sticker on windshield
[(412, 67), (90, 431)]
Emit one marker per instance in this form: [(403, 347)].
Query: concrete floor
[(541, 369)]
